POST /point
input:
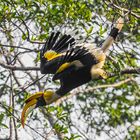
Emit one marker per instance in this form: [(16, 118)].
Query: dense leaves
[(108, 112)]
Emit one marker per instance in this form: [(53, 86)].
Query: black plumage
[(73, 79), (58, 45), (75, 75)]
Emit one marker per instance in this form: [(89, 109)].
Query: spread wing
[(73, 54), (52, 50), (70, 61), (56, 45)]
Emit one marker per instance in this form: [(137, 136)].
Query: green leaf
[(1, 117), (24, 37), (4, 125), (19, 125), (12, 49)]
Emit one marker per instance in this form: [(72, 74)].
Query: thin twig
[(27, 28), (131, 71), (21, 63), (30, 84), (120, 8), (52, 123), (13, 107), (18, 47), (91, 89), (12, 67), (18, 120)]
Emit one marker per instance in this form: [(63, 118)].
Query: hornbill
[(78, 66)]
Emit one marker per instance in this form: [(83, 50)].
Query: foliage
[(111, 112)]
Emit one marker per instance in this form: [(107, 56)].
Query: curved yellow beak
[(29, 106), (36, 100)]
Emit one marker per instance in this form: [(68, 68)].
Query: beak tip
[(22, 122), (30, 105), (22, 125)]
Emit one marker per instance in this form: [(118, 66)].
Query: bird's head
[(37, 100)]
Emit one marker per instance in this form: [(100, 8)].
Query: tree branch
[(120, 8), (131, 71), (30, 84), (6, 107), (91, 89), (31, 77), (18, 47), (13, 107), (17, 68), (52, 122), (26, 26), (12, 67)]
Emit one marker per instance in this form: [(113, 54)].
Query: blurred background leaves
[(108, 113)]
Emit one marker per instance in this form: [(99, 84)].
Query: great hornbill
[(78, 66)]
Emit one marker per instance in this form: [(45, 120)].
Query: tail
[(113, 34)]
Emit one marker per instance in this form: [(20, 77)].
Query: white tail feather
[(109, 41)]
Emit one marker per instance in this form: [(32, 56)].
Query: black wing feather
[(62, 43), (73, 54), (57, 44), (47, 45), (53, 41), (64, 46)]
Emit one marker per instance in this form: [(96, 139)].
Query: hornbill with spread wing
[(78, 66)]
